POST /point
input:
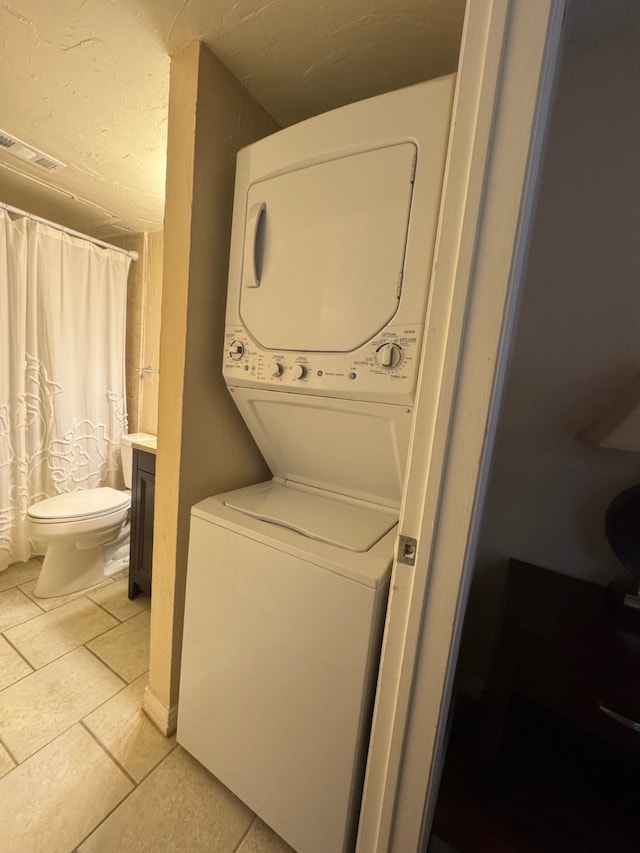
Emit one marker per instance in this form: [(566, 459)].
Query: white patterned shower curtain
[(62, 370)]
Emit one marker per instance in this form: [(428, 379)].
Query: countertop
[(150, 445)]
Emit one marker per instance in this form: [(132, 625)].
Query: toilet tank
[(126, 452)]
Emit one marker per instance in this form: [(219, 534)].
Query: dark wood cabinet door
[(142, 499), (562, 646)]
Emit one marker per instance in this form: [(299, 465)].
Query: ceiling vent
[(28, 153)]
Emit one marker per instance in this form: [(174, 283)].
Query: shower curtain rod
[(10, 209)]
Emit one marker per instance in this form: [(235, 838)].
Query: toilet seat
[(79, 506)]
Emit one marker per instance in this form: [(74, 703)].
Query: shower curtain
[(62, 375)]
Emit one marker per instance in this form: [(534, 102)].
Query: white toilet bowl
[(85, 533)]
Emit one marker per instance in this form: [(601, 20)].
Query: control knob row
[(298, 371), (389, 356)]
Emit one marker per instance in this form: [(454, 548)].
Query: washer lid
[(324, 250), (334, 520), (82, 504)]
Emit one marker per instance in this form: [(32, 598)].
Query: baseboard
[(470, 686), (162, 716)]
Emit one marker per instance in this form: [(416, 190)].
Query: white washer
[(280, 658), (331, 252)]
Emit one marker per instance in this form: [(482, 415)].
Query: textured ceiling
[(86, 81), (303, 57)]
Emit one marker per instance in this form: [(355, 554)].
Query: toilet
[(85, 533)]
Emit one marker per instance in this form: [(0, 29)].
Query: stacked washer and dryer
[(332, 246)]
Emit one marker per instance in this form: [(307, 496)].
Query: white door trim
[(507, 65)]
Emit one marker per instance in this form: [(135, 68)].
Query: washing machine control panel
[(385, 368)]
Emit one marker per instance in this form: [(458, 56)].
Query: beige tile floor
[(82, 770)]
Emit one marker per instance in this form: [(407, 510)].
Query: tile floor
[(82, 770)]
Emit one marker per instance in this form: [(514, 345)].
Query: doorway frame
[(509, 56)]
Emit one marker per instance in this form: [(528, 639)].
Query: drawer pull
[(630, 724)]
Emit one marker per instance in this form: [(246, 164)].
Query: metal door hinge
[(407, 547)]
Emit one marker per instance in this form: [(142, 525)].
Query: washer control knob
[(299, 371), (389, 355), (278, 370), (236, 350)]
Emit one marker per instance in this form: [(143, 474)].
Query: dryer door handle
[(252, 265)]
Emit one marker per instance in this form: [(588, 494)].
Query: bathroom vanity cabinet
[(142, 497)]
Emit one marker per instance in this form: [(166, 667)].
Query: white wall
[(577, 342)]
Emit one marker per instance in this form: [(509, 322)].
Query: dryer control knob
[(236, 350), (299, 371), (278, 370), (389, 355)]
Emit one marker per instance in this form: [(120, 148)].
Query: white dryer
[(331, 252)]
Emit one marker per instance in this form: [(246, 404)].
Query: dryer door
[(324, 251)]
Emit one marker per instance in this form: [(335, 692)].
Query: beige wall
[(144, 293), (149, 382), (203, 445), (577, 341), (133, 345)]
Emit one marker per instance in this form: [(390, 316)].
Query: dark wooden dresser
[(142, 497), (561, 645)]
